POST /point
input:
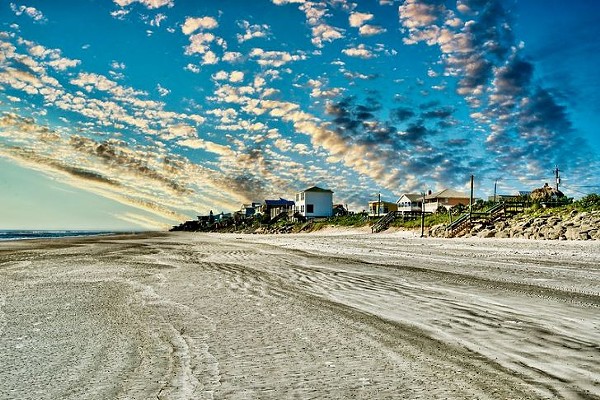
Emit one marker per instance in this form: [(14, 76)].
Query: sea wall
[(572, 226)]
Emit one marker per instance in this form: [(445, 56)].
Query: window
[(297, 196), (310, 208), (302, 208), (302, 196)]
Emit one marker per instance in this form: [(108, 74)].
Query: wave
[(47, 234)]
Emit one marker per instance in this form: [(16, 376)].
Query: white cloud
[(360, 51), (117, 65), (280, 2), (220, 76), (147, 3), (31, 12), (192, 68), (232, 56), (193, 24), (158, 19), (207, 145), (63, 63), (162, 91), (120, 14), (370, 30), (209, 58), (274, 58), (236, 76), (180, 130), (415, 14), (199, 43), (325, 33), (252, 31), (357, 19)]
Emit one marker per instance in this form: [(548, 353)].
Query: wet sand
[(333, 315)]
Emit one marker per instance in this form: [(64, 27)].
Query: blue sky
[(136, 114)]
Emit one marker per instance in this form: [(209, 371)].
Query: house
[(314, 202), (379, 208), (273, 208), (410, 202), (446, 198), (249, 210), (340, 210)]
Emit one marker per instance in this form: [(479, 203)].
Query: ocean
[(42, 234)]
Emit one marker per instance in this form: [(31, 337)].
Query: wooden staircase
[(495, 212), (385, 221)]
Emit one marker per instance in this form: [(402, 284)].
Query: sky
[(140, 114)]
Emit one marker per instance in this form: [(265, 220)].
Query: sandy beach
[(337, 314)]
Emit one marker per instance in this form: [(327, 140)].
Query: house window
[(310, 208), (302, 208), (302, 196), (297, 196)]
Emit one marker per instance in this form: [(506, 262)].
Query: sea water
[(46, 234)]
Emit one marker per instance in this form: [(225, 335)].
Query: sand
[(329, 315)]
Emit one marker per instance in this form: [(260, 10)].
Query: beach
[(336, 314)]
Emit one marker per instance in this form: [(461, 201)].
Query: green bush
[(590, 202)]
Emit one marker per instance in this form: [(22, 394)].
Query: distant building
[(446, 198), (273, 208), (410, 202), (379, 208), (249, 210), (314, 202)]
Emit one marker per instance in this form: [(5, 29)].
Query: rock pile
[(573, 226)]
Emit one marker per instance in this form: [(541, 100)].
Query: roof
[(317, 189), (448, 193), (382, 202), (411, 196), (280, 202)]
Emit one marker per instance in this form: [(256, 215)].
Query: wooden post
[(423, 214), (471, 199)]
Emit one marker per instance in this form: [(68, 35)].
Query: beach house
[(379, 208), (273, 208), (314, 202), (446, 198), (249, 210), (410, 203)]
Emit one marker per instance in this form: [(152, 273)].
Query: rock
[(503, 234), (487, 233)]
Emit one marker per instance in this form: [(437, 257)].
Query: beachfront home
[(314, 202), (273, 208), (249, 210), (410, 203), (380, 208), (446, 198)]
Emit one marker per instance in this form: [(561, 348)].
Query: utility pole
[(557, 177), (379, 204), (495, 185), (471, 198), (422, 214)]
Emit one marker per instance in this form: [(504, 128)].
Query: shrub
[(589, 203)]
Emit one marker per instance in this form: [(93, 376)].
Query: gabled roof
[(280, 202), (411, 197), (317, 189), (448, 193)]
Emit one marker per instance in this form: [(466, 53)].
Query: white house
[(314, 202), (410, 202)]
